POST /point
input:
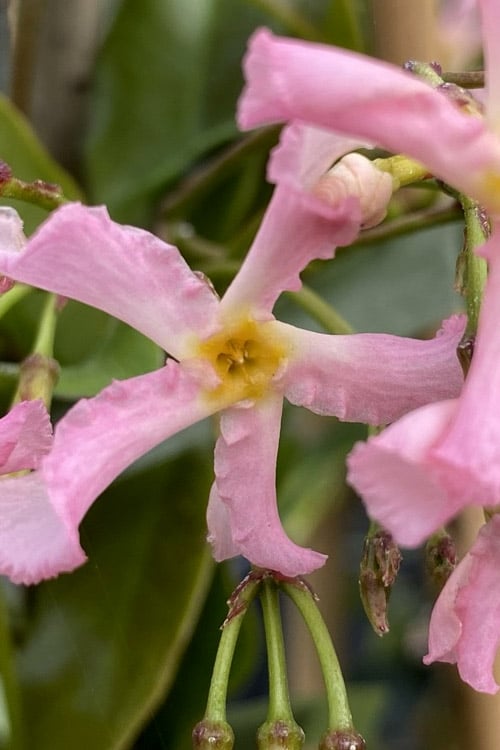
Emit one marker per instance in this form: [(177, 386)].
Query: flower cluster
[(227, 356), (434, 461), (230, 357)]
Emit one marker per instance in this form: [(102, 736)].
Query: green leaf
[(171, 727), (166, 87), (403, 285), (94, 348), (104, 643), (312, 470), (29, 160)]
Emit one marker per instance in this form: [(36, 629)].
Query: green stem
[(39, 372), (44, 342), (339, 714), (205, 179), (471, 79), (476, 231), (408, 224), (404, 171), (279, 699), (42, 194), (14, 295), (217, 695), (324, 313)]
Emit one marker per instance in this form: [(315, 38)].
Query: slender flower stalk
[(213, 731), (280, 729), (339, 713)]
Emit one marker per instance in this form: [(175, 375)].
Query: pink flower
[(425, 468), (229, 356), (465, 622), (367, 99), (28, 517)]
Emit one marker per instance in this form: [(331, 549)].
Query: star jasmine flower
[(227, 356), (354, 95), (425, 468), (465, 622)]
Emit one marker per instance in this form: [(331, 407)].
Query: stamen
[(245, 357)]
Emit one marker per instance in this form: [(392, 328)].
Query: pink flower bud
[(355, 175)]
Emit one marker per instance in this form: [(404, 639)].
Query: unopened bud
[(37, 378), (213, 735), (379, 567), (440, 557), (342, 740), (280, 735), (356, 176)]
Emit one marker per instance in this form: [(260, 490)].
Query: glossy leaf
[(171, 728), (29, 160), (94, 348), (166, 86), (103, 644)]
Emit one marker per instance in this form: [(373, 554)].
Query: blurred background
[(131, 103)]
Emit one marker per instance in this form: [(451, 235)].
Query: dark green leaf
[(104, 643), (94, 348), (166, 88), (29, 160)]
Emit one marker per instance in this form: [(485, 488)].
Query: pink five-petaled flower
[(465, 622), (424, 469), (428, 466), (25, 438), (350, 94), (229, 356)]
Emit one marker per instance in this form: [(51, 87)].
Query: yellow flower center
[(245, 357)]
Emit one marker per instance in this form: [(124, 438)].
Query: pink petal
[(219, 527), (127, 272), (465, 622), (11, 230), (11, 239), (394, 477), (304, 154), (296, 228), (467, 455), (370, 100), (245, 469), (35, 542), (374, 378), (99, 437), (25, 436)]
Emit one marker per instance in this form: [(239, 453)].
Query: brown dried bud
[(342, 740), (213, 735), (280, 735), (440, 557), (379, 567), (465, 351)]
